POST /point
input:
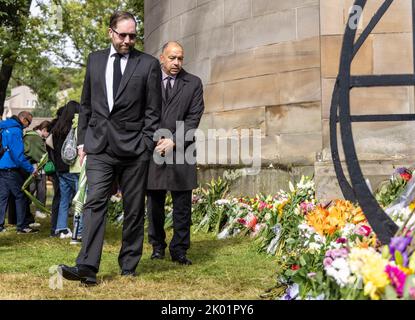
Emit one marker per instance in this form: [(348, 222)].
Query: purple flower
[(401, 170), (400, 244)]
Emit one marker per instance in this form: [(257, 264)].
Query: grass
[(222, 269)]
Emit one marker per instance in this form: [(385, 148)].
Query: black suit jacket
[(185, 104), (130, 126)]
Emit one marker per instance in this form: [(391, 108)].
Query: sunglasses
[(122, 35), (28, 121)]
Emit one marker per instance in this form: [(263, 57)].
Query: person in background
[(35, 148), (68, 182), (75, 169), (13, 159), (53, 177)]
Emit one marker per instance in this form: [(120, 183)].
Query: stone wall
[(259, 61), (381, 147), (272, 64)]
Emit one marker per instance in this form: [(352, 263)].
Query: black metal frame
[(358, 191)]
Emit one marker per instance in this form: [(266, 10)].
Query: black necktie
[(117, 74), (168, 88)]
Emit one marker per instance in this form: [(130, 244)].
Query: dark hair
[(43, 125), (59, 111), (121, 15), (64, 123)]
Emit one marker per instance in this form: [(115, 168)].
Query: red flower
[(295, 267), (363, 231), (252, 222), (242, 221), (406, 176)]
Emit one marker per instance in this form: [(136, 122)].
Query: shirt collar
[(113, 51), (165, 75)]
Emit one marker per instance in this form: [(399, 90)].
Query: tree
[(14, 16), (82, 25)]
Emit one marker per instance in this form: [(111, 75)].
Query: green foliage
[(29, 44), (206, 215), (390, 190), (115, 211)]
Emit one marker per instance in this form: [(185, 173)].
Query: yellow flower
[(369, 264)]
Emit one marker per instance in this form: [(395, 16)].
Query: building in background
[(22, 98), (272, 65)]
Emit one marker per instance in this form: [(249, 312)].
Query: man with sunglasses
[(13, 159), (120, 111)]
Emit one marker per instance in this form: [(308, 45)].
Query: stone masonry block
[(251, 92), (264, 30)]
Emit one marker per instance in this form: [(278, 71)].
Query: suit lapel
[(133, 60), (178, 87), (103, 69)]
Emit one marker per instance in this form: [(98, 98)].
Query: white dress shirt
[(109, 74)]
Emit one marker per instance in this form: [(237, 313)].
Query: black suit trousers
[(182, 212), (101, 170)]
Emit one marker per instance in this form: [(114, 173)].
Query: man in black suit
[(181, 112), (120, 112)]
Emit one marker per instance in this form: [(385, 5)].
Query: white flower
[(114, 198), (348, 230), (222, 202), (314, 246), (335, 245), (339, 270)]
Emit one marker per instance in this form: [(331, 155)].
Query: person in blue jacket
[(11, 162)]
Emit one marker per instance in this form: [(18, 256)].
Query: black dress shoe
[(157, 254), (78, 273), (128, 273), (182, 260)]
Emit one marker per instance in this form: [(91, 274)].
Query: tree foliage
[(39, 55)]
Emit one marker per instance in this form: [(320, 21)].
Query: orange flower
[(328, 221)]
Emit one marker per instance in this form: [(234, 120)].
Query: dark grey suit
[(118, 143), (185, 104)]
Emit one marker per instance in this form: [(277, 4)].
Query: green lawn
[(222, 269)]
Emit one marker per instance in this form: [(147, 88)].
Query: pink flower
[(397, 277), (363, 230), (262, 205), (306, 207), (327, 262), (341, 240), (412, 292), (258, 227)]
